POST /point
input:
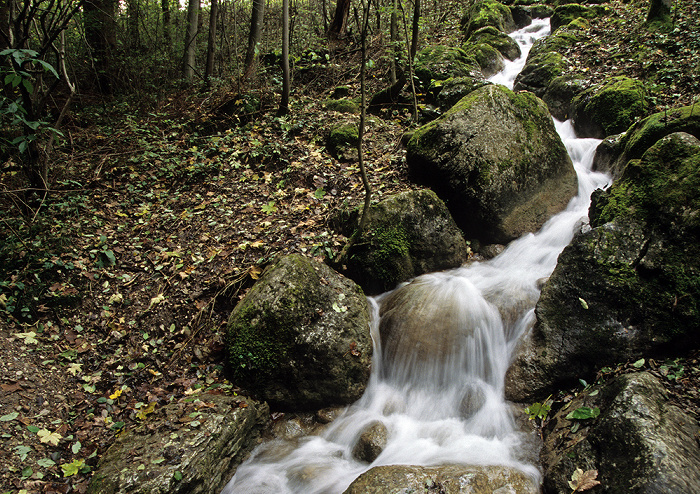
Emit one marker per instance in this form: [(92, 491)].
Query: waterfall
[(449, 409)]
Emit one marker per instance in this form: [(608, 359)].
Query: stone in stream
[(371, 442)]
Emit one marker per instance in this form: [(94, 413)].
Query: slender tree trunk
[(167, 35), (416, 27), (284, 103), (101, 37), (256, 21), (190, 39), (340, 19), (211, 42), (5, 26), (361, 130), (394, 39), (132, 24)]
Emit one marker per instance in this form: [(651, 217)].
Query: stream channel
[(450, 410)]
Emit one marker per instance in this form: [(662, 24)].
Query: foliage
[(583, 481), (540, 411)]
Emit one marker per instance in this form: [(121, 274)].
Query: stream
[(450, 410)]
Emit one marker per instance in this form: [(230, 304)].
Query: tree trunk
[(190, 39), (5, 26), (340, 20), (659, 14), (284, 103), (167, 35), (256, 21), (416, 27), (132, 24), (211, 42), (101, 36), (394, 37)]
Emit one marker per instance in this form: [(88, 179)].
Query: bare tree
[(286, 83), (190, 39), (211, 42), (256, 20), (167, 35), (340, 19)]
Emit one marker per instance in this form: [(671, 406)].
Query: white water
[(451, 409)]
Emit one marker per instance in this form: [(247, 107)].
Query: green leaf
[(538, 410), (22, 451), (269, 207), (46, 462), (27, 472), (639, 363), (9, 417), (177, 475), (76, 447), (584, 304), (48, 67), (70, 469), (584, 413), (33, 429)]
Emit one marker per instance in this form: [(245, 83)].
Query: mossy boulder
[(482, 13), (546, 61), (406, 235), (564, 14), (560, 93), (300, 338), (649, 130), (342, 141), (659, 16), (343, 105), (628, 287), (497, 162), (203, 452), (524, 12), (609, 108), (506, 45), (439, 62), (448, 92), (640, 442), (489, 58), (447, 479)]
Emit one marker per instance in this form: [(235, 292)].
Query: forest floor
[(115, 295)]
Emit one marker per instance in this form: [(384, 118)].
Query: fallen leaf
[(582, 481), (46, 436)]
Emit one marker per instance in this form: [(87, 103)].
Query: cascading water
[(440, 400)]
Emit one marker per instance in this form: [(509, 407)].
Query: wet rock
[(371, 442), (406, 235), (608, 108), (491, 36), (640, 442), (497, 162), (300, 338), (606, 153), (157, 458), (489, 58), (440, 62), (447, 479), (628, 287), (560, 92), (483, 13)]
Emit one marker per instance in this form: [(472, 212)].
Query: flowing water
[(449, 409)]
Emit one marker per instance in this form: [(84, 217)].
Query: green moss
[(390, 249), (440, 62), (342, 106), (345, 134), (617, 104), (487, 13), (496, 39)]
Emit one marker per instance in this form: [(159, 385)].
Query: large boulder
[(506, 45), (197, 458), (406, 235), (608, 108), (546, 60), (446, 479), (497, 162), (560, 93), (628, 287), (564, 14), (300, 338), (640, 443), (448, 92), (482, 13), (489, 58), (440, 62)]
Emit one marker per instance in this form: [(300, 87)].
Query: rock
[(300, 338), (342, 141), (484, 13), (646, 132), (439, 62), (641, 442), (659, 16), (159, 458), (406, 235), (506, 45), (606, 153), (371, 442), (489, 58), (497, 162), (560, 93), (450, 91), (628, 287), (446, 479), (343, 105), (524, 13), (608, 108), (564, 14), (545, 61)]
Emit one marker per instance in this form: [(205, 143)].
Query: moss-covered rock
[(482, 13), (406, 235), (524, 11), (197, 458), (560, 93), (449, 92), (564, 14), (631, 285), (659, 16), (640, 442), (489, 58), (342, 106), (506, 45), (342, 141), (447, 479), (497, 161), (439, 62), (300, 338), (609, 108)]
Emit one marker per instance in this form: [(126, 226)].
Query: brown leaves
[(582, 481)]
